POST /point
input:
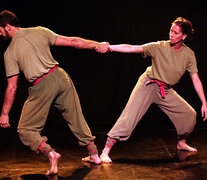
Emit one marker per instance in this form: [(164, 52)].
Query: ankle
[(106, 151), (92, 149), (182, 141)]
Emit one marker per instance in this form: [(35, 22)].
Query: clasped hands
[(103, 47)]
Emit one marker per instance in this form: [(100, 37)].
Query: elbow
[(12, 89), (76, 43)]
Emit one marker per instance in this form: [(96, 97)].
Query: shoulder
[(188, 50), (157, 43), (45, 30), (24, 32)]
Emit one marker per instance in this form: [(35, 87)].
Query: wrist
[(204, 104), (96, 45), (3, 113)]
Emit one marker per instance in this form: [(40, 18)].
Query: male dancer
[(29, 52)]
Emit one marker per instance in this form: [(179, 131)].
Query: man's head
[(7, 17), (8, 21)]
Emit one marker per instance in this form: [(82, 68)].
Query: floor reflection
[(144, 158)]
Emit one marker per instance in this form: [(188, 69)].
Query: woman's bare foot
[(54, 157), (105, 158), (93, 159), (181, 145), (184, 155)]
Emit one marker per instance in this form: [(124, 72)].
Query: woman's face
[(176, 34)]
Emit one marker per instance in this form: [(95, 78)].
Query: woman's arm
[(199, 89), (126, 48)]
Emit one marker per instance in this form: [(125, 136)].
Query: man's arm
[(126, 48), (8, 101), (81, 43), (199, 89)]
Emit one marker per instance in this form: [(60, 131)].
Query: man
[(29, 52), (170, 60)]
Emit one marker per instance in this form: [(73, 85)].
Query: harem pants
[(56, 88), (182, 115)]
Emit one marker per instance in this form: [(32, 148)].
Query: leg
[(182, 115), (93, 154), (54, 158), (181, 145), (33, 118), (69, 105), (141, 98), (105, 153)]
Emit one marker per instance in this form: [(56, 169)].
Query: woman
[(170, 60)]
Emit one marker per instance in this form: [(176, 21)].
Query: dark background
[(104, 82)]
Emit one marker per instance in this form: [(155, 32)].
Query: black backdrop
[(104, 81)]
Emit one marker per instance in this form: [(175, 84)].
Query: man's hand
[(102, 47), (4, 121)]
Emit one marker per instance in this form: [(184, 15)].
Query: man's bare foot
[(54, 157), (181, 145), (105, 158), (93, 159)]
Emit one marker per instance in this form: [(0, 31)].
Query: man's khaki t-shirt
[(168, 65), (29, 52)]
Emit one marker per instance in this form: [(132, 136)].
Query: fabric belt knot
[(38, 79), (161, 86)]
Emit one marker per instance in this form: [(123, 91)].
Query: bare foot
[(93, 159), (181, 145), (105, 158), (184, 155), (52, 177), (54, 157)]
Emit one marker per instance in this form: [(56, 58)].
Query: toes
[(86, 159), (47, 173)]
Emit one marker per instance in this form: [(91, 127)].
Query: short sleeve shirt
[(169, 65), (29, 52)]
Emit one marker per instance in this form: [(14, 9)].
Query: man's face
[(4, 33), (176, 34)]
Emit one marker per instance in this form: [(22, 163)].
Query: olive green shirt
[(29, 52), (169, 65)]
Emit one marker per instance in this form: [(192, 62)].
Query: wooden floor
[(143, 156)]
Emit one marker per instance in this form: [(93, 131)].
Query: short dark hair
[(7, 17), (186, 26)]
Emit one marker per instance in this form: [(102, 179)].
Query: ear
[(184, 36), (8, 27)]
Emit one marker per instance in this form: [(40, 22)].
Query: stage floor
[(147, 157)]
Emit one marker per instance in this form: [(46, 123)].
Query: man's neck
[(13, 31)]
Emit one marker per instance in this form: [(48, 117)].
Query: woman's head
[(186, 26), (180, 31)]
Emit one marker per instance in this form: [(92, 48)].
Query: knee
[(23, 135), (192, 117), (193, 114), (20, 132)]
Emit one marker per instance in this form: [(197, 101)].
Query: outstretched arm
[(81, 43), (126, 48), (8, 101), (199, 89)]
